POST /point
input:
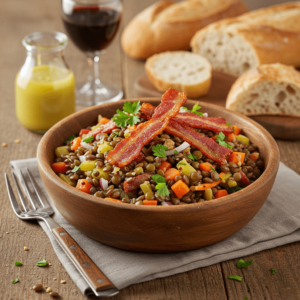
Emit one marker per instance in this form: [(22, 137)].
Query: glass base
[(95, 94)]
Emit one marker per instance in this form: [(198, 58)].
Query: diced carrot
[(60, 167), (112, 199), (76, 143), (164, 166), (254, 156), (221, 193), (83, 185), (206, 166), (237, 158), (83, 131), (205, 186), (231, 137), (221, 174), (103, 121), (171, 174), (180, 188), (150, 202), (214, 137), (236, 130)]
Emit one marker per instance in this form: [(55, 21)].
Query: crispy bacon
[(140, 157), (207, 145), (138, 180), (128, 149), (104, 128), (193, 120)]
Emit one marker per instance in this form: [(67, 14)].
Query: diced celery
[(126, 133), (105, 146), (146, 188), (102, 174), (184, 167), (59, 151), (96, 126), (226, 176), (87, 165), (243, 139), (66, 179), (208, 194)]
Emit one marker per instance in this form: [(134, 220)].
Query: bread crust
[(276, 73), (271, 37), (161, 27), (191, 90)]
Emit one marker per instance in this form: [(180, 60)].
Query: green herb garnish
[(42, 263), (159, 150), (88, 139), (246, 298), (176, 152), (273, 271), (228, 124), (18, 263), (128, 115), (213, 169), (161, 186), (192, 157), (220, 140), (115, 133), (235, 277), (181, 164), (76, 168), (244, 264), (15, 281), (71, 137), (92, 171), (194, 110), (234, 189)]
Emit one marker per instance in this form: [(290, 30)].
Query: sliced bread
[(185, 71), (266, 36), (266, 90)]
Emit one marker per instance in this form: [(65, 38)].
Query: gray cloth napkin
[(276, 224)]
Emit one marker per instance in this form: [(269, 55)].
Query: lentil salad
[(167, 155)]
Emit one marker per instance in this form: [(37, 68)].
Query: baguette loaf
[(266, 90), (185, 71), (264, 36), (167, 25)]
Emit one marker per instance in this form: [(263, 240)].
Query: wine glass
[(92, 25)]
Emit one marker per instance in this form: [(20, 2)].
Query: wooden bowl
[(156, 229)]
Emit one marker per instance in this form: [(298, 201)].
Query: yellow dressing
[(45, 98)]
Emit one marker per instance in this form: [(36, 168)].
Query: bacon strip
[(140, 157), (104, 128), (193, 120), (128, 149), (207, 145), (138, 180)]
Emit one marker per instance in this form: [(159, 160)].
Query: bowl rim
[(267, 175)]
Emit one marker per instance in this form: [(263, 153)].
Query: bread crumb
[(50, 264), (7, 265), (17, 141), (48, 290), (4, 144), (63, 281), (26, 248), (54, 278)]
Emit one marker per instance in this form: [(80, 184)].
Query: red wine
[(92, 28)]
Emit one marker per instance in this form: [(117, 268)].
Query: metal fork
[(98, 282)]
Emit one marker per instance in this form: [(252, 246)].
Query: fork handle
[(93, 275)]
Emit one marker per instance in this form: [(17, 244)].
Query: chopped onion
[(82, 158), (103, 183), (178, 149), (205, 114), (87, 146), (166, 203)]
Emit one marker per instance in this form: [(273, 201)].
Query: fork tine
[(37, 190), (25, 206), (28, 192), (12, 197)]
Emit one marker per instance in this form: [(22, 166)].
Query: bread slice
[(266, 90), (265, 36), (185, 71), (168, 25)]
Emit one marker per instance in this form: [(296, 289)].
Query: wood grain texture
[(175, 230), (86, 266), (17, 18)]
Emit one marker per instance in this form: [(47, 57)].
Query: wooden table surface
[(19, 17)]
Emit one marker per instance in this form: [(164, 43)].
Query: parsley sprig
[(42, 263), (273, 271), (159, 150), (18, 263), (128, 115), (194, 110), (244, 264), (161, 186), (15, 281), (235, 277), (220, 140), (88, 139), (192, 157)]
